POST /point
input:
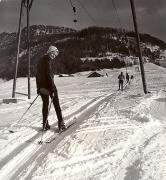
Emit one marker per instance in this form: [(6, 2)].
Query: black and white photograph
[(82, 90)]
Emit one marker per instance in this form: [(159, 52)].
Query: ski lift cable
[(118, 17), (119, 21), (87, 12), (94, 21), (90, 16), (74, 10), (71, 3), (73, 7), (114, 6)]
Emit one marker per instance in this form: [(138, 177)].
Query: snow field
[(117, 135)]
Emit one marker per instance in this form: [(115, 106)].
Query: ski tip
[(11, 131), (40, 142)]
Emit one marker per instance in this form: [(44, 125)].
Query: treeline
[(97, 64), (146, 38)]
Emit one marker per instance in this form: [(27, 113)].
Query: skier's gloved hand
[(38, 91), (53, 92), (52, 95)]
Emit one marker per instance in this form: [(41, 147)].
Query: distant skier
[(131, 77), (121, 79), (127, 78), (46, 87)]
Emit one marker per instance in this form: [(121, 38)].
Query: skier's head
[(52, 52)]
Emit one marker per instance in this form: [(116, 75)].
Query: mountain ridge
[(73, 45)]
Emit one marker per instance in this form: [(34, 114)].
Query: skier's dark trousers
[(55, 101), (46, 87), (127, 78), (121, 79)]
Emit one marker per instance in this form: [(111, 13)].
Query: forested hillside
[(73, 45)]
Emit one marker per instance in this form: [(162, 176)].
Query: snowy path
[(117, 135), (27, 150)]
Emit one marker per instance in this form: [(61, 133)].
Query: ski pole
[(41, 140), (11, 131)]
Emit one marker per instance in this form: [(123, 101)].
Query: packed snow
[(118, 135)]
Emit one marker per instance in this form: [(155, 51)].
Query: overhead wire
[(74, 10), (90, 16), (114, 6), (71, 3), (118, 17), (87, 12), (119, 21), (123, 30)]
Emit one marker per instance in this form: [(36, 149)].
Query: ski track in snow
[(117, 135), (19, 149)]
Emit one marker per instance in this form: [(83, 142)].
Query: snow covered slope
[(117, 135)]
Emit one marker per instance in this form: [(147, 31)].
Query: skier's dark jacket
[(121, 77), (44, 75)]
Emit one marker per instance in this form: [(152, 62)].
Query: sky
[(151, 14)]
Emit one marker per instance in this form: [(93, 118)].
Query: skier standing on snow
[(131, 77), (46, 87), (121, 79), (127, 78)]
